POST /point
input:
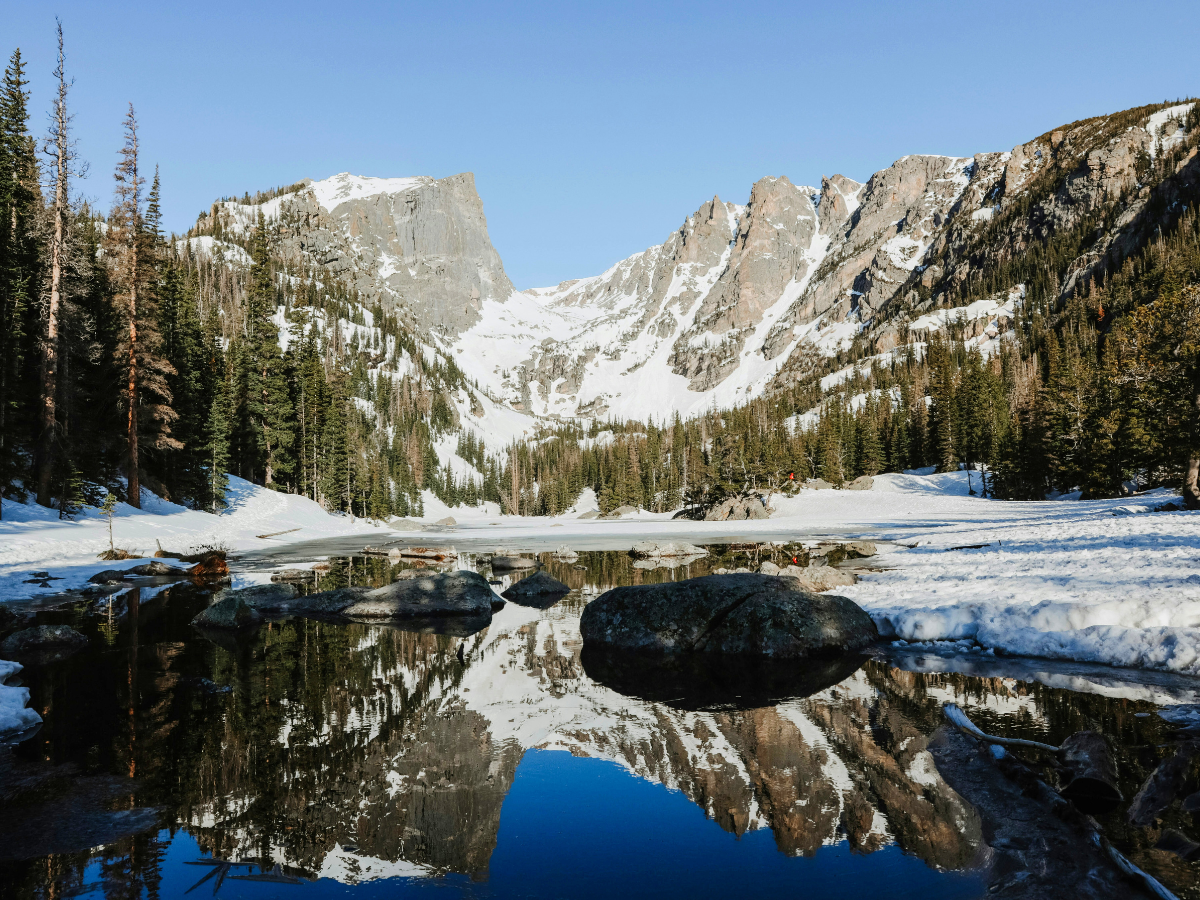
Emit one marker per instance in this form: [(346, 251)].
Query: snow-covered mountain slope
[(419, 244), (739, 298)]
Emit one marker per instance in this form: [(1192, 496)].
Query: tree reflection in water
[(355, 751)]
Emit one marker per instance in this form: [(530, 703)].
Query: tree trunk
[(49, 377), (135, 486), (1191, 479), (1191, 484)]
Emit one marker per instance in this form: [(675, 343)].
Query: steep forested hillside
[(1032, 315)]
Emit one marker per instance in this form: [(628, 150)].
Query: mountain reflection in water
[(354, 753)]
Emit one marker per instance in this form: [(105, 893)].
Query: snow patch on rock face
[(333, 192), (210, 247), (1161, 130)]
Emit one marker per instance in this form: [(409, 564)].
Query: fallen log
[(1093, 774), (1180, 844), (165, 554), (275, 533), (1162, 787), (959, 719), (438, 553)]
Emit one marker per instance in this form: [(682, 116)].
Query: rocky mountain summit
[(420, 244), (739, 299)]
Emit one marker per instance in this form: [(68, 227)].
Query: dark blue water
[(586, 828), (337, 759)]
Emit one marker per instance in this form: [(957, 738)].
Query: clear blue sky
[(592, 129)]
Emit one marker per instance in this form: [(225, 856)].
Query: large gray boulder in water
[(738, 614), (460, 593)]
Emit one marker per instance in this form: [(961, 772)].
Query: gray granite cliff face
[(419, 244), (738, 299)]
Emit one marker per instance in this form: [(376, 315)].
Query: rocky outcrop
[(738, 299), (420, 245), (773, 248), (820, 578), (737, 615), (738, 508)]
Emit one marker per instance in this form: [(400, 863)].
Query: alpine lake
[(313, 758)]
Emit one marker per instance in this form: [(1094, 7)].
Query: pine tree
[(333, 490), (268, 399), (216, 448), (19, 260), (146, 397), (942, 408), (192, 384)]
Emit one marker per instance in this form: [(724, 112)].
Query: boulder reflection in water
[(699, 681)]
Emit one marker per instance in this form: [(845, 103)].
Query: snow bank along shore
[(1109, 581)]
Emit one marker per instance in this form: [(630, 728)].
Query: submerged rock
[(158, 568), (1092, 773), (230, 612), (741, 614), (44, 643), (539, 590), (458, 593), (264, 597), (107, 576), (513, 562)]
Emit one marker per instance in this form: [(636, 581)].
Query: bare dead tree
[(61, 150)]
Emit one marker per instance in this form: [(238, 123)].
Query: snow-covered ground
[(33, 539), (1108, 581)]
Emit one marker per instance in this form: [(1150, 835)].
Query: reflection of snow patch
[(14, 716)]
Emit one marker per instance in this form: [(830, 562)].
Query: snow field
[(34, 539), (1108, 581)]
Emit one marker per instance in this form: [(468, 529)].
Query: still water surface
[(329, 759)]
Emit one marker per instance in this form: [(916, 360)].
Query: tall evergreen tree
[(268, 400), (19, 262), (146, 396)]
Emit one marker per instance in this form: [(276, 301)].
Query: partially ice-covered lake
[(313, 758)]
